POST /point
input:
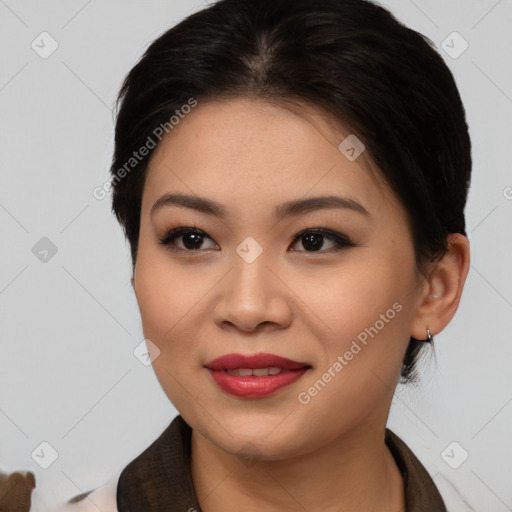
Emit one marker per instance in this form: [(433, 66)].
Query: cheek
[(167, 297), (368, 308), (368, 314), (356, 297), (166, 293)]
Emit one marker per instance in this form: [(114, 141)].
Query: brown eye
[(313, 240), (192, 239)]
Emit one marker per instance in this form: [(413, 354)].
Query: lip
[(253, 386), (262, 360)]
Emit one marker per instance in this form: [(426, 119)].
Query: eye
[(312, 240), (192, 239)]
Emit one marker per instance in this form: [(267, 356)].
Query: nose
[(252, 297)]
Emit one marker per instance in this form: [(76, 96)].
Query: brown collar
[(159, 479), (421, 494)]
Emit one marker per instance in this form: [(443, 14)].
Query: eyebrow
[(288, 209)]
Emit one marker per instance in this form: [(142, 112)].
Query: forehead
[(246, 151)]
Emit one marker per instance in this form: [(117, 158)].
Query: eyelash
[(342, 241)]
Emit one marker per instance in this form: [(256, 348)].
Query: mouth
[(255, 376)]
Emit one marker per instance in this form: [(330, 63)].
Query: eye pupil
[(192, 240), (314, 241)]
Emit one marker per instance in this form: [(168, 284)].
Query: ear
[(441, 293)]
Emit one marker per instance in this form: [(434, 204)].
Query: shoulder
[(100, 498)]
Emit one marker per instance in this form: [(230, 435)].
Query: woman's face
[(253, 280)]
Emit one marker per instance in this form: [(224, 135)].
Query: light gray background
[(69, 325)]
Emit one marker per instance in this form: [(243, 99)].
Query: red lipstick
[(255, 375)]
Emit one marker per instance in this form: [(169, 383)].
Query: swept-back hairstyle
[(353, 58)]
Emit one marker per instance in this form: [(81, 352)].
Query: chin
[(262, 442)]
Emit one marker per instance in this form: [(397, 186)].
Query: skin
[(306, 305)]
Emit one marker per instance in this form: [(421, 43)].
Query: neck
[(354, 473)]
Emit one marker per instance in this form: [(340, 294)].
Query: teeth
[(258, 372)]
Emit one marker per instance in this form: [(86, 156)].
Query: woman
[(291, 176)]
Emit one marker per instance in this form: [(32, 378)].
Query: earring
[(429, 339)]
